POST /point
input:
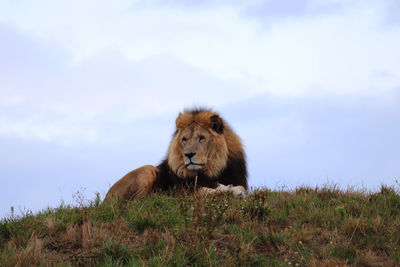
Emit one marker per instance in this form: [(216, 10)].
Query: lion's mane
[(226, 162)]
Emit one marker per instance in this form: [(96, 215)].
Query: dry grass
[(304, 227)]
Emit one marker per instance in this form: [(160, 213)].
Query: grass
[(301, 227)]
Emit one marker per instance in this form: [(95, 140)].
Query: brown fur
[(216, 157), (134, 184)]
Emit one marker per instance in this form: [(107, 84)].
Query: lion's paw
[(237, 191)]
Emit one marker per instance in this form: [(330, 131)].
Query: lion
[(204, 156)]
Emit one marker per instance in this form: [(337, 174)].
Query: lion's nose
[(190, 155)]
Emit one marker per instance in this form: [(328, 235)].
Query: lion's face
[(199, 145), (195, 143)]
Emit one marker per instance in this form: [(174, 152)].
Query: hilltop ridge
[(302, 227)]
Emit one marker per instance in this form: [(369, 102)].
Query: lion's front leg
[(238, 191), (134, 184)]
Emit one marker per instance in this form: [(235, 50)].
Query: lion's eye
[(184, 140), (202, 139)]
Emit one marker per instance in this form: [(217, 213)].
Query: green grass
[(301, 227)]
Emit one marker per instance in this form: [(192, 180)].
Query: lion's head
[(203, 142)]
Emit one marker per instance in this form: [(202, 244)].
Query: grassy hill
[(302, 227)]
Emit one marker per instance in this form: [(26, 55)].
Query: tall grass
[(301, 227)]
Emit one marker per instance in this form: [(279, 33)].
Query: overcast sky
[(90, 90)]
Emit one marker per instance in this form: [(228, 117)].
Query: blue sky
[(90, 90)]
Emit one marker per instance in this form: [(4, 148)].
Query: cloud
[(71, 67), (46, 98), (315, 53)]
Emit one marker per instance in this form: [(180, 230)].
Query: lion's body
[(204, 153)]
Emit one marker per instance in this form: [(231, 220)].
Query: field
[(301, 227)]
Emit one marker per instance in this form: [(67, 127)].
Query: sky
[(89, 90)]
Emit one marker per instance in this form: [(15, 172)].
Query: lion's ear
[(217, 124), (182, 120)]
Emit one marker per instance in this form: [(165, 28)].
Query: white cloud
[(334, 53), (39, 128), (130, 60)]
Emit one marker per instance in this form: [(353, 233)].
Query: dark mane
[(234, 174)]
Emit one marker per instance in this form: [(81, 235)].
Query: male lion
[(205, 155)]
